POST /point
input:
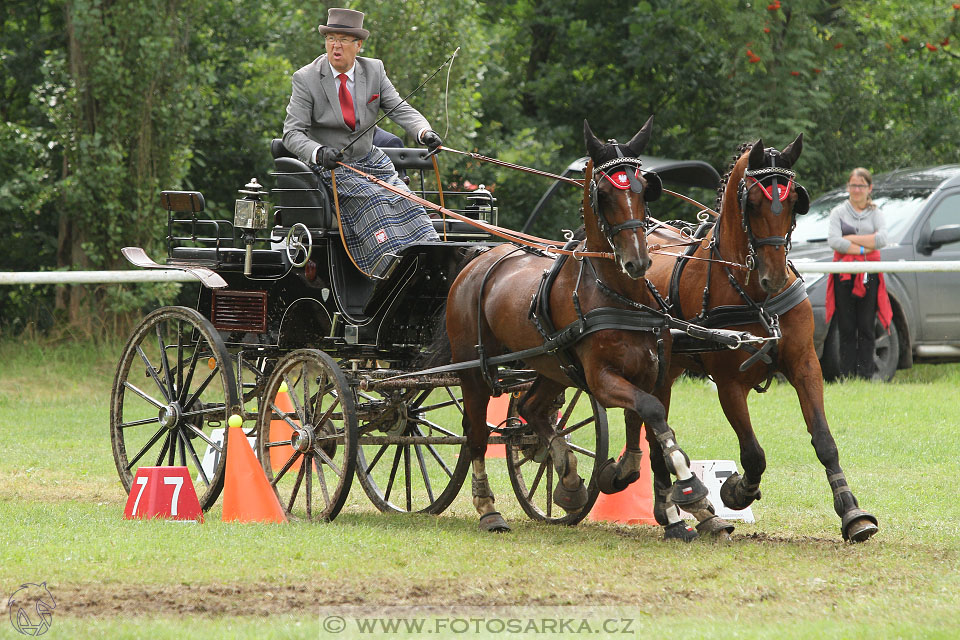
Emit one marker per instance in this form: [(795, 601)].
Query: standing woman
[(857, 231)]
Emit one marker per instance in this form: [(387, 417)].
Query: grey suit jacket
[(314, 117)]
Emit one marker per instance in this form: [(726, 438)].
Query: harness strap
[(541, 317), (490, 379)]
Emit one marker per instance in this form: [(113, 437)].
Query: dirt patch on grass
[(217, 600)]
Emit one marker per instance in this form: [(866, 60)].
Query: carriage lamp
[(482, 201), (250, 214)]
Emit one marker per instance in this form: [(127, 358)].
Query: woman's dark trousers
[(856, 318)]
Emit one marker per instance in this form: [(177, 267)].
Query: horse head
[(762, 191), (616, 212)]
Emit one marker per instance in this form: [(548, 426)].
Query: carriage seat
[(299, 195)]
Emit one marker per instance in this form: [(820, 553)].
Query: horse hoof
[(568, 500), (716, 527), (680, 531), (607, 479), (735, 496), (858, 526), (607, 476), (688, 491), (494, 522)]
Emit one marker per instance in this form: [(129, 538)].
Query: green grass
[(787, 575)]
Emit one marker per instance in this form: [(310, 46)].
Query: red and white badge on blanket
[(381, 236)]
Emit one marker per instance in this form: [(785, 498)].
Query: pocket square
[(373, 97)]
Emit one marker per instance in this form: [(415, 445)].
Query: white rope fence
[(176, 275), (95, 277), (899, 266)]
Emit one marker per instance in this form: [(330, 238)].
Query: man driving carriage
[(334, 101)]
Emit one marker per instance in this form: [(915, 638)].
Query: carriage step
[(139, 258)]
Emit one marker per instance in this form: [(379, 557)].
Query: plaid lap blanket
[(374, 221)]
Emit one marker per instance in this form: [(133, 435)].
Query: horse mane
[(722, 188)]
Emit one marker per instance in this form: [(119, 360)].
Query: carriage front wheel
[(582, 422), (172, 394), (307, 435)]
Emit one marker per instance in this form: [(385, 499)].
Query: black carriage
[(289, 335)]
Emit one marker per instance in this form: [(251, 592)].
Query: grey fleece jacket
[(844, 221)]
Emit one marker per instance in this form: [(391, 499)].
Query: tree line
[(104, 103)]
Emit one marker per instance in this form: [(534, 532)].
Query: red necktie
[(346, 103)]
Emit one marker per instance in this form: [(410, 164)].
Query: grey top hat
[(344, 21)]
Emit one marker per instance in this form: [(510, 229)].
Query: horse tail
[(439, 352)]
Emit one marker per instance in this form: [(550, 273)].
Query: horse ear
[(791, 152), (639, 142), (594, 145), (755, 160)]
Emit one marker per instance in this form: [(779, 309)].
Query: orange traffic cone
[(496, 416), (281, 430), (247, 496), (633, 505)]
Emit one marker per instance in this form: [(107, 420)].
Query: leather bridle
[(779, 181), (623, 173)]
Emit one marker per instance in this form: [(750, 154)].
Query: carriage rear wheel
[(307, 435), (583, 423), (408, 461), (172, 394)]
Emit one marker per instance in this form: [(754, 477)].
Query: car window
[(899, 209), (812, 227), (947, 212)]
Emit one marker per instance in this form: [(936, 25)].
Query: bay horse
[(489, 312), (716, 286)]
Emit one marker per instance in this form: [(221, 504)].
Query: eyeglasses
[(332, 40), (858, 186)]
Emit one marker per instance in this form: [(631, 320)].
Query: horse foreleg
[(665, 511), (688, 491), (739, 492), (614, 477), (856, 525)]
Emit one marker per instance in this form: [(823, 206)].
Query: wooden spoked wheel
[(173, 392), (412, 457), (307, 435)]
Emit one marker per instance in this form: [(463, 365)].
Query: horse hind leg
[(483, 500), (475, 400), (537, 408)]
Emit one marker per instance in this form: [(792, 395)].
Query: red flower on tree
[(794, 73), (931, 47), (904, 39)]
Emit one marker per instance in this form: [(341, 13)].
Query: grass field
[(787, 575)]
